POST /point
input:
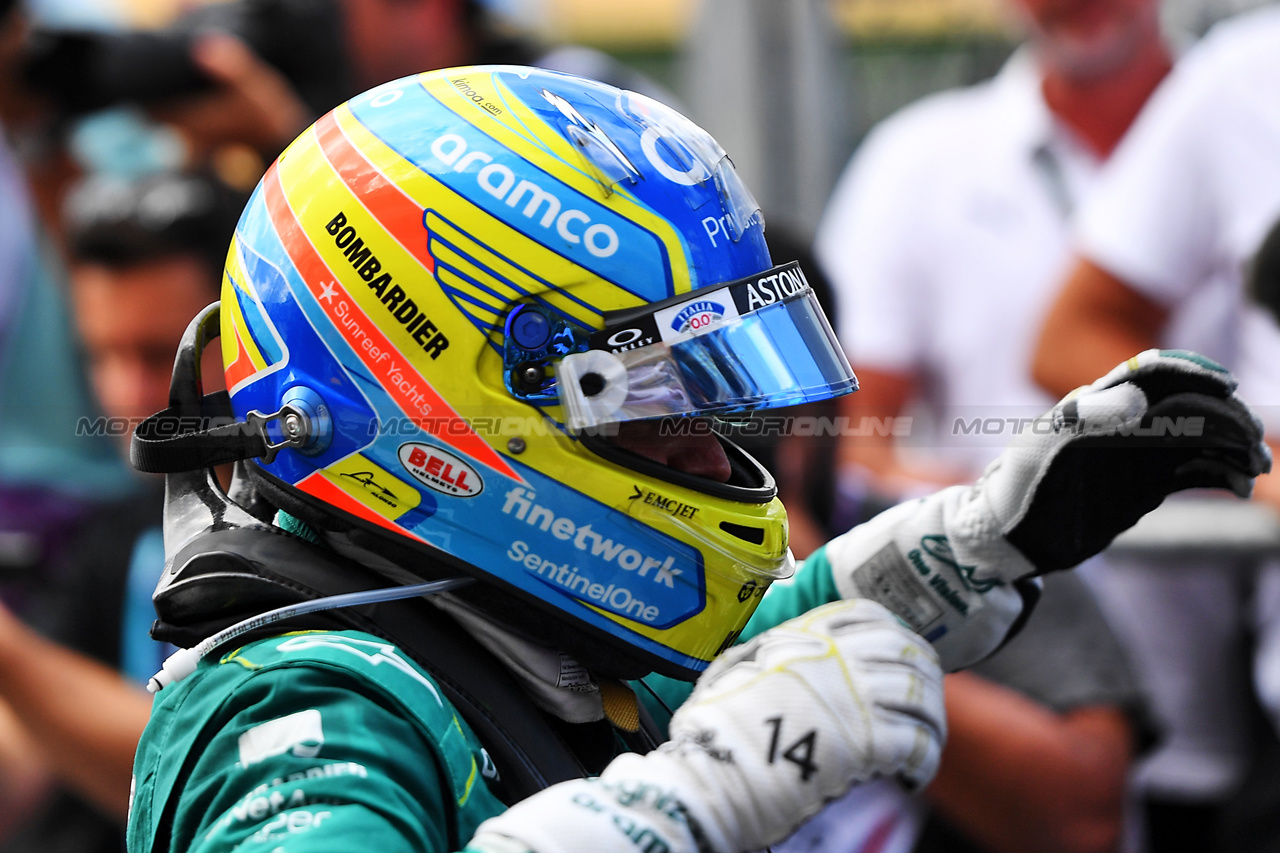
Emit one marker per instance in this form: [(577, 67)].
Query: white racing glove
[(774, 729), (958, 565)]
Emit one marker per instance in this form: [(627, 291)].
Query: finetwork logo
[(659, 571), (520, 502)]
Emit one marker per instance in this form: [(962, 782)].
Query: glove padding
[(956, 566), (1164, 421), (774, 729)]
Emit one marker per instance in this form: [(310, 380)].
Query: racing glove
[(774, 729), (958, 566)]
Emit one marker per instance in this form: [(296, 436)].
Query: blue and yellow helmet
[(464, 281)]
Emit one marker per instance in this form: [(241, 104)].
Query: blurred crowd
[(987, 249)]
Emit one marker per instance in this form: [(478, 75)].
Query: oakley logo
[(540, 206), (624, 338)]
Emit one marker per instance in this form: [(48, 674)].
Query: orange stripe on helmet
[(321, 488), (242, 368), (386, 202), (439, 419)]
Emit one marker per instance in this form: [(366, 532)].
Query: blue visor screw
[(530, 330)]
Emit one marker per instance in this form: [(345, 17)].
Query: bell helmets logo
[(440, 470)]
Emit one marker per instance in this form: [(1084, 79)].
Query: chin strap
[(621, 706), (197, 432), (169, 441)]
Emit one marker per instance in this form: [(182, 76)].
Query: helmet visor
[(758, 343)]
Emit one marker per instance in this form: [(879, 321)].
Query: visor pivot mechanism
[(534, 339), (529, 376)]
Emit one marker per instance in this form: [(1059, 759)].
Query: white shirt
[(1192, 190), (946, 240), (876, 817)]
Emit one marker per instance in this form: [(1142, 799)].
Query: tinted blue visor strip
[(781, 354), (777, 356)]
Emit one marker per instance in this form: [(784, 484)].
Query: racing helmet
[(445, 297)]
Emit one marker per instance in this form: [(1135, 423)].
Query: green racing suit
[(329, 741)]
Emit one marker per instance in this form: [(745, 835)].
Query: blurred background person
[(944, 239), (47, 473), (1162, 261), (146, 256), (962, 203), (1164, 246), (229, 84)]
